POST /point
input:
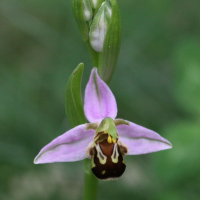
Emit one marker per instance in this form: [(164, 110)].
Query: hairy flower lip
[(99, 104), (108, 162)]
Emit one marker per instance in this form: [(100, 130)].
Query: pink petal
[(141, 140), (99, 100), (71, 146)]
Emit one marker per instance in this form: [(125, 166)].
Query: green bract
[(73, 102), (108, 57)]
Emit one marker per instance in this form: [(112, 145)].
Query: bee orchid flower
[(105, 139)]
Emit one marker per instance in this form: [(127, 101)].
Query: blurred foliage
[(156, 85)]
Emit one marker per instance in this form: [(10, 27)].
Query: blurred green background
[(156, 84)]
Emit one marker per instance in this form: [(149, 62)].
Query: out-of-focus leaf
[(182, 161), (187, 79)]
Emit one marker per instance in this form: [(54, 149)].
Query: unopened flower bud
[(87, 10), (96, 3), (82, 12), (99, 27)]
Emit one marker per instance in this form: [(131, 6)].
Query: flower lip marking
[(107, 156), (114, 166)]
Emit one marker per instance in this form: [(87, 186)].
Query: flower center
[(106, 151)]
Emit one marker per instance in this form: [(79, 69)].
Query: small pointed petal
[(71, 146), (141, 140), (99, 100)]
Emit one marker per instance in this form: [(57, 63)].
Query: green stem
[(91, 182), (93, 54)]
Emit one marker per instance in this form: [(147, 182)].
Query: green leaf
[(78, 11), (73, 102), (108, 58)]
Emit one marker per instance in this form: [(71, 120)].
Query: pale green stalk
[(93, 54), (90, 182)]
